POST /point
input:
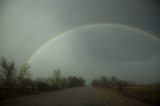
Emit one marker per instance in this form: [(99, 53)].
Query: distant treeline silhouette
[(148, 93), (15, 82), (111, 82)]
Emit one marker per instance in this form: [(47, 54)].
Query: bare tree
[(7, 74), (24, 77), (24, 72), (57, 79)]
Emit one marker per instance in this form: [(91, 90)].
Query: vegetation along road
[(78, 96)]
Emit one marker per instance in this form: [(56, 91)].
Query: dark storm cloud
[(26, 25), (115, 44), (95, 51)]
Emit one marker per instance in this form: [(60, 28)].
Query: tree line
[(148, 93), (18, 81), (111, 82)]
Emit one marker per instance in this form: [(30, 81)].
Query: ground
[(79, 96)]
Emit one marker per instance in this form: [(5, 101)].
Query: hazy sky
[(26, 25)]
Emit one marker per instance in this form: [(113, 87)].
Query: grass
[(146, 93), (115, 98)]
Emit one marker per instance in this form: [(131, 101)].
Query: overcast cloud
[(26, 25)]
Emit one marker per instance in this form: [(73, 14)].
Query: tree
[(24, 78), (57, 83), (42, 85), (114, 81), (65, 82), (95, 83), (7, 74), (24, 72), (103, 81), (74, 81)]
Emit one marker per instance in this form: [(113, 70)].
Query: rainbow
[(87, 26)]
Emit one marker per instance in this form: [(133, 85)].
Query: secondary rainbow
[(92, 25)]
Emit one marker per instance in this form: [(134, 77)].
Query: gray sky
[(26, 25)]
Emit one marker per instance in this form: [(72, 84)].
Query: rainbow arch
[(87, 26)]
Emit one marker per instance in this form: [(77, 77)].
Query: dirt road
[(80, 96)]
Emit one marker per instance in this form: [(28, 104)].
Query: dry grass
[(116, 99), (146, 93)]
